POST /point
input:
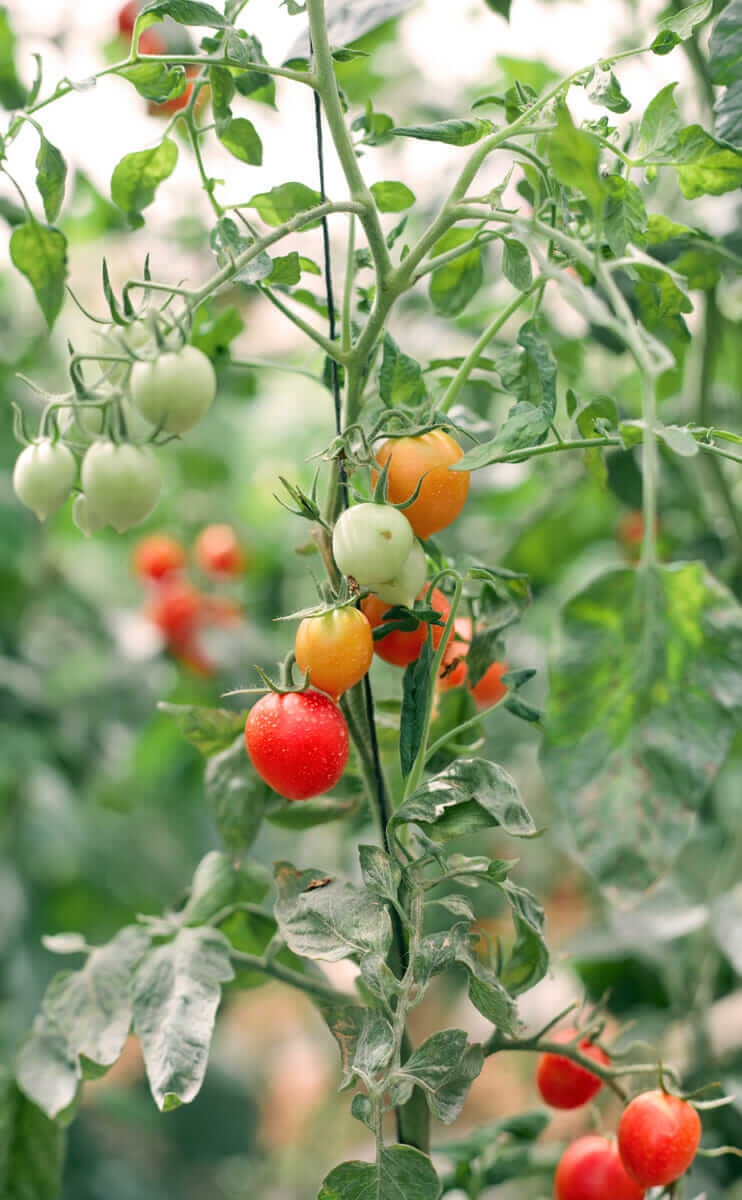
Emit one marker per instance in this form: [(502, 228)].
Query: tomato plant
[(658, 1138), (563, 1083), (336, 649), (298, 743), (591, 1169), (518, 364)]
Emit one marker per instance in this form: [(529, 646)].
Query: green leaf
[(528, 960), (469, 795), (728, 114), (725, 45), (661, 121), (445, 1067), (176, 993), (416, 685), (222, 83), (604, 90), (455, 284), (372, 1050), (310, 812), (326, 918), (400, 1171), (392, 197), (525, 1127), (381, 874), (349, 20), (12, 91), (135, 179), (85, 1014), (213, 335), (187, 12), (219, 882), (400, 377), (40, 253), (286, 270), (516, 264), (282, 203), (241, 138), (646, 694), (500, 6), (624, 216), (235, 796), (680, 25), (156, 81), (31, 1147), (252, 931), (575, 159), (51, 174), (454, 132), (210, 730), (486, 991)]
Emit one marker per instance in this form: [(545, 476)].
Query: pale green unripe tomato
[(121, 483), (371, 542), (44, 475), (86, 520), (176, 390), (408, 583)]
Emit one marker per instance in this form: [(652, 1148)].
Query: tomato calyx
[(306, 506)]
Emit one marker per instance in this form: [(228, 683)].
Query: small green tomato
[(44, 475), (121, 483), (372, 542), (176, 390), (408, 583)]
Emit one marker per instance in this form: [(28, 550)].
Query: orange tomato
[(452, 676), (218, 552), (158, 555), (400, 648), (490, 689), (442, 493), (336, 649)]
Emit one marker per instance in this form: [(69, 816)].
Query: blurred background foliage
[(102, 811)]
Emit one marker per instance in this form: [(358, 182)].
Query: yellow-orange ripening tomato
[(336, 649), (443, 492)]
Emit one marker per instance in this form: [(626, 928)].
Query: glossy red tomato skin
[(658, 1136), (443, 492), (297, 742), (217, 551), (563, 1083), (490, 689), (176, 609), (591, 1169), (158, 556), (400, 648)]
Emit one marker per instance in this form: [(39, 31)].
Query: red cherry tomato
[(563, 1083), (400, 648), (490, 689), (150, 42), (218, 552), (453, 673), (658, 1137), (176, 609), (157, 556), (442, 493), (127, 16), (298, 743), (337, 649), (591, 1169)]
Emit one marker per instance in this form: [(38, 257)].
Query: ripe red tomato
[(490, 689), (458, 648), (563, 1083), (591, 1169), (218, 552), (443, 492), (127, 16), (400, 648), (658, 1136), (157, 556), (150, 42), (297, 743), (176, 609), (337, 649)]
